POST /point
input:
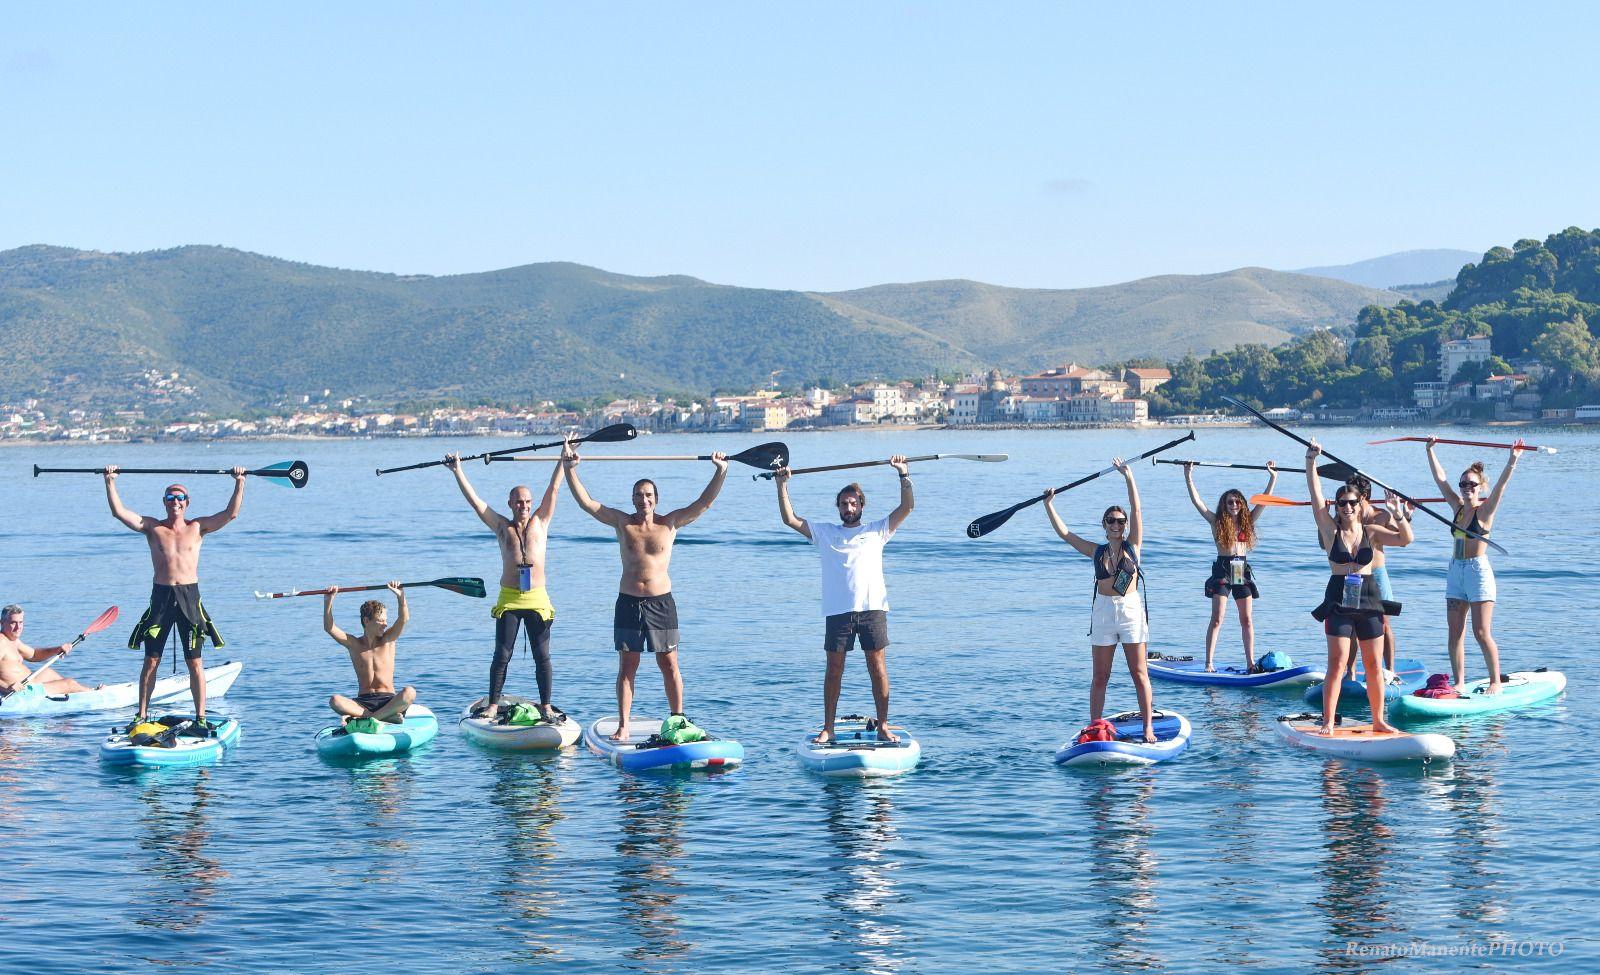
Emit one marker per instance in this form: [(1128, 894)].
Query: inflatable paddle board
[(856, 752), (184, 748), (416, 729), (1517, 691), (643, 750), (1172, 734), (515, 737), (1357, 740), (1409, 674), (1187, 670)]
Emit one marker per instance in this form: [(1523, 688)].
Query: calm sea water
[(1243, 854)]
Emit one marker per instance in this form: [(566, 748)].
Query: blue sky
[(816, 146)]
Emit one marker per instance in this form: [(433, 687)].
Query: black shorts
[(1218, 585), (643, 623), (174, 608), (842, 629), (372, 702), (1361, 626)]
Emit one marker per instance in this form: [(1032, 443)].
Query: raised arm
[(1493, 504), (1194, 495), (547, 506), (493, 519), (1083, 545), (1319, 508), (1272, 482), (785, 511), (328, 624), (907, 501), (596, 510), (135, 522), (212, 523), (1135, 514), (702, 504), (402, 614), (1393, 531), (1446, 489)]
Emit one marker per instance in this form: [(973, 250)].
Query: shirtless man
[(372, 655), (13, 652), (175, 594), (646, 616), (523, 597)]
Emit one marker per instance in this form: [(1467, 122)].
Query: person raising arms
[(1233, 528)]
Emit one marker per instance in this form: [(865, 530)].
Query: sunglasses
[(1468, 485), (1116, 521), (1347, 503), (175, 497)]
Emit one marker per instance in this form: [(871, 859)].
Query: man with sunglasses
[(174, 542)]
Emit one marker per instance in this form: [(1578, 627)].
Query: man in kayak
[(646, 617), (855, 602), (13, 652), (523, 597), (174, 542), (372, 655)]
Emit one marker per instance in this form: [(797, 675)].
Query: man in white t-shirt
[(854, 600)]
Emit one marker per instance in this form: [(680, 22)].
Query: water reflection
[(1358, 847), (861, 827), (527, 791), (18, 767), (654, 810), (1476, 849), (381, 791), (175, 830), (1122, 868)]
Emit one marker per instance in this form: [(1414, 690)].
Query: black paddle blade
[(988, 523), (463, 585), (1336, 471), (615, 433), (767, 456)]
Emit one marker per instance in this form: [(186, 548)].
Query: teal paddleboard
[(1519, 690), (416, 730)]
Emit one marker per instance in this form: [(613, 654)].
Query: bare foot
[(824, 737), (884, 734), (1326, 730), (1384, 728), (1150, 735), (621, 734), (1492, 688)]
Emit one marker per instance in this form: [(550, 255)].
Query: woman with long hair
[(1352, 608), (1117, 614), (1233, 528), (1470, 580)]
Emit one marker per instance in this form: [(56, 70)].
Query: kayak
[(1409, 674), (520, 738), (37, 704), (1516, 691), (856, 752), (641, 750), (416, 729), (1358, 741), (184, 750), (1172, 734), (1187, 670)]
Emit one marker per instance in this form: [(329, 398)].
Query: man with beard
[(855, 602)]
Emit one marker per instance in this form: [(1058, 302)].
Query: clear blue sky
[(813, 145)]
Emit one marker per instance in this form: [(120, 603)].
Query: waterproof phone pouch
[(1351, 597), (1236, 571), (1461, 544), (1121, 581), (525, 577)]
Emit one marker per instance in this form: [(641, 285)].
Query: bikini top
[(1103, 569), (1338, 554), (1473, 526)]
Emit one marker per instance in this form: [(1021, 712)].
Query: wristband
[(905, 477)]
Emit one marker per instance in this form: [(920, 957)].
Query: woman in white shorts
[(1470, 579), (1118, 614)]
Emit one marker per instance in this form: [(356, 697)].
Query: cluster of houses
[(1511, 393)]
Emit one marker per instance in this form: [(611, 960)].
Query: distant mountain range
[(1405, 268), (243, 330)]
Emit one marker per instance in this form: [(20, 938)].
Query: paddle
[(1333, 472), (984, 458), (100, 622), (1465, 443), (615, 433), (770, 456), (990, 522), (1272, 500), (293, 473), (1402, 496), (457, 584)]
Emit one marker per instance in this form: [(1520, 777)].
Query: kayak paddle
[(1274, 501), (1333, 472), (100, 622), (985, 458), (289, 473), (767, 455), (1399, 494), (990, 522), (456, 584), (1465, 443), (615, 433)]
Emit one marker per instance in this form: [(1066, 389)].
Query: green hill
[(242, 330)]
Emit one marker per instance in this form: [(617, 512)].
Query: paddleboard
[(31, 703), (1172, 734), (1187, 670), (520, 738), (1357, 740), (416, 729), (185, 750), (639, 753), (1517, 691), (1409, 674), (856, 752)]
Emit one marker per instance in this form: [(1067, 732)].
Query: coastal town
[(1067, 396)]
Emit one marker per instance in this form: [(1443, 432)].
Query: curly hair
[(1226, 529)]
